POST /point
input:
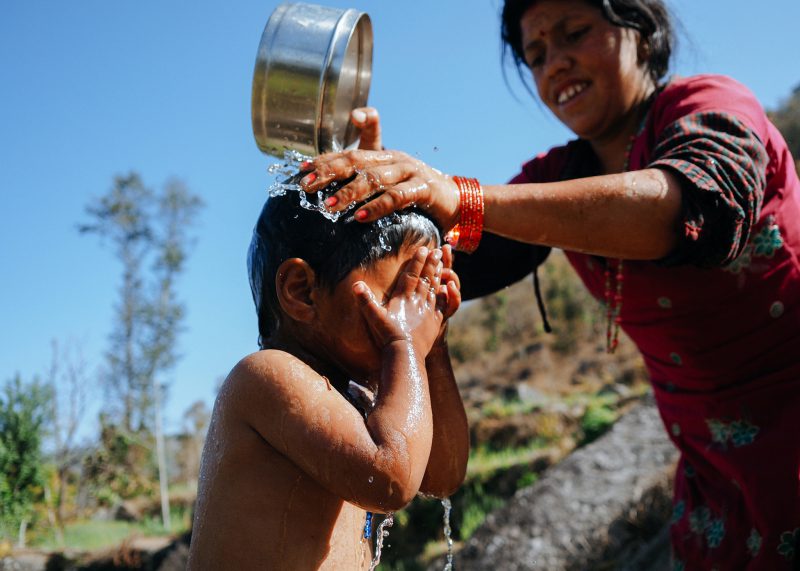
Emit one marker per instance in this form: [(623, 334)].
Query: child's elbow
[(443, 485), (399, 495), (392, 492)]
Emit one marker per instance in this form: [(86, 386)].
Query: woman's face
[(586, 69)]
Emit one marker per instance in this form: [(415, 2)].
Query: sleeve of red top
[(714, 146)]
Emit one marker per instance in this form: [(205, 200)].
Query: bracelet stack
[(466, 235)]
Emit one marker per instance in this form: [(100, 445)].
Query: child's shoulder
[(270, 379), (269, 367)]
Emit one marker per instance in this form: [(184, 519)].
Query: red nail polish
[(309, 178), (331, 201), (304, 166), (361, 214)]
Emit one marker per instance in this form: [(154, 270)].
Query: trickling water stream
[(448, 533), (383, 533)]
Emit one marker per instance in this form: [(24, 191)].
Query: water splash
[(383, 223), (285, 173), (448, 534), (383, 533), (286, 180)]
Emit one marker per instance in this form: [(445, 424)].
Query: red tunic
[(718, 323)]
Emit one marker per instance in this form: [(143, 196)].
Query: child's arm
[(447, 464), (379, 464)]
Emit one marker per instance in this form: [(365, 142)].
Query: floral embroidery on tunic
[(743, 433), (789, 542), (715, 532), (754, 543), (702, 523), (677, 511), (739, 432), (699, 519), (763, 244), (768, 240)]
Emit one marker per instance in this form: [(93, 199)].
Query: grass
[(483, 460), (90, 535)]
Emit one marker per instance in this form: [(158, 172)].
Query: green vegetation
[(89, 535), (23, 411)]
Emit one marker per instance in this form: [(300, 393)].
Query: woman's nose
[(557, 60)]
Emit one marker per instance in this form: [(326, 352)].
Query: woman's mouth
[(570, 92)]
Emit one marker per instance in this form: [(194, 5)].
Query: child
[(295, 457)]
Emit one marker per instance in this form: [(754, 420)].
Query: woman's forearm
[(632, 215)]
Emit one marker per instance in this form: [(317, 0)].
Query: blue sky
[(93, 88)]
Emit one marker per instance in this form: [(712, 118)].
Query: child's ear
[(294, 285)]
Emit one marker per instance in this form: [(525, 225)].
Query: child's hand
[(412, 313), (449, 297)]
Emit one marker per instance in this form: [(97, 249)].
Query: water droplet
[(371, 479)]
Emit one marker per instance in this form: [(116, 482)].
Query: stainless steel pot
[(313, 67)]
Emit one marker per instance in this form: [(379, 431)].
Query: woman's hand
[(369, 123), (413, 313), (390, 180)]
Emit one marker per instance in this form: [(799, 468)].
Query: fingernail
[(423, 251), (309, 178), (359, 116), (437, 254), (361, 214), (331, 201), (304, 166)]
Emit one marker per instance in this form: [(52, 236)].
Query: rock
[(127, 511), (24, 561), (604, 506)]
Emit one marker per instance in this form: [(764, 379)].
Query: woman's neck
[(613, 149)]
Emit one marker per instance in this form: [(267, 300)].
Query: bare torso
[(257, 510)]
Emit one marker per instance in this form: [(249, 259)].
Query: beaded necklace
[(613, 292)]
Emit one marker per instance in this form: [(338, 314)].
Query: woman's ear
[(293, 285), (643, 52)]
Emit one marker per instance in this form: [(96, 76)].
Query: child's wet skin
[(393, 313)]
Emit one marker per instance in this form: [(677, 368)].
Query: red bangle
[(466, 235)]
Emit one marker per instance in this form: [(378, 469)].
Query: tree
[(196, 419), (787, 120), (69, 385), (23, 410), (145, 228), (123, 217)]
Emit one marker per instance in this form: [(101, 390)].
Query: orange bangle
[(466, 235)]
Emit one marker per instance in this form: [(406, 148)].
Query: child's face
[(342, 332)]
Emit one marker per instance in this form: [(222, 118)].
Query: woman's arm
[(633, 215)]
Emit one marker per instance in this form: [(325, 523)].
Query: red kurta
[(718, 324)]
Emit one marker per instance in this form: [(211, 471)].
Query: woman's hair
[(649, 17), (285, 229)]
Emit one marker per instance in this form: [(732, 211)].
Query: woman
[(679, 207)]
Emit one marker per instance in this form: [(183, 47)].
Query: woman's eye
[(577, 34), (536, 60)]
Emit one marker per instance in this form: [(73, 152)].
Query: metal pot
[(313, 67)]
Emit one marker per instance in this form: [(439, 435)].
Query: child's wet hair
[(332, 249)]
